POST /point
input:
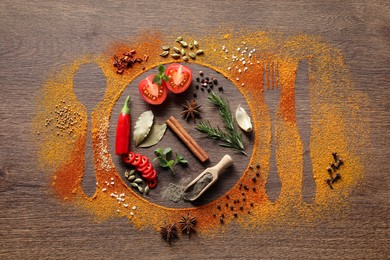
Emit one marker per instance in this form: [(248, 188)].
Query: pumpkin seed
[(138, 180), (180, 38), (192, 55), (183, 44), (183, 52), (199, 52), (146, 190), (196, 44), (165, 47), (185, 58), (175, 56), (135, 185), (177, 50), (140, 189), (164, 53), (131, 177)]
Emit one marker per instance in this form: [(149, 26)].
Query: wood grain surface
[(37, 37)]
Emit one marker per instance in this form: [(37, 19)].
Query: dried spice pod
[(192, 55), (177, 50), (175, 55), (199, 52), (164, 53), (196, 44), (183, 44), (166, 48)]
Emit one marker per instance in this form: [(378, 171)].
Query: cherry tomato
[(151, 92), (128, 158), (180, 78)]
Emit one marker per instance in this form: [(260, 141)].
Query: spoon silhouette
[(89, 85)]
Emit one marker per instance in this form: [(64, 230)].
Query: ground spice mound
[(250, 60)]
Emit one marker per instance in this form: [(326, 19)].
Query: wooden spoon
[(214, 171)]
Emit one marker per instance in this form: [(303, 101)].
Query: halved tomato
[(151, 92), (180, 77)]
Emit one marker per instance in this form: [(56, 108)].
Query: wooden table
[(38, 37)]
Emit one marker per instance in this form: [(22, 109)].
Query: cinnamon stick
[(185, 137)]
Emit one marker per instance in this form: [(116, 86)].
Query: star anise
[(187, 224), (191, 110), (169, 232)]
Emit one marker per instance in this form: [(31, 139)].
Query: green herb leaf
[(164, 157), (142, 127), (231, 138), (161, 69), (156, 133), (167, 151), (158, 79)]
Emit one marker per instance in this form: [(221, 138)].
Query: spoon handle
[(225, 162)]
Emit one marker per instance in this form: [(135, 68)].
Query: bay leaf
[(156, 133), (142, 127)]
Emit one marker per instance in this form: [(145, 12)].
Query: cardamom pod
[(175, 55), (164, 53), (185, 58), (183, 44), (177, 50), (243, 120), (183, 52), (132, 172), (191, 46), (199, 52), (127, 174), (138, 180), (192, 55), (166, 48), (180, 38), (135, 185), (146, 190), (196, 44), (131, 177), (140, 189)]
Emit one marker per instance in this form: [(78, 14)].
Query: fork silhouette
[(271, 87)]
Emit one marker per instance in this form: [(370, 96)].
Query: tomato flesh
[(180, 78), (151, 92)]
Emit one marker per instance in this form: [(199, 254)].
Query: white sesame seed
[(237, 79), (134, 207), (242, 84), (112, 183), (131, 213), (126, 205), (118, 210), (229, 68), (104, 189), (238, 49), (239, 70), (243, 62)]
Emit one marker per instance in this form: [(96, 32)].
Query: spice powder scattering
[(250, 59)]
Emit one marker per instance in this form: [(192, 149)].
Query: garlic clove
[(243, 120)]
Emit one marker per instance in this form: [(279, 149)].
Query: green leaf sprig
[(160, 77), (165, 161), (231, 138)]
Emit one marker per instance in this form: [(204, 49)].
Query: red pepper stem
[(125, 108)]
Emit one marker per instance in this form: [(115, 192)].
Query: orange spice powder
[(277, 57)]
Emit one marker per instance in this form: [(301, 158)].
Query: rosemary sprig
[(231, 138)]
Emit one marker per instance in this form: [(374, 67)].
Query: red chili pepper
[(142, 165), (123, 130)]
